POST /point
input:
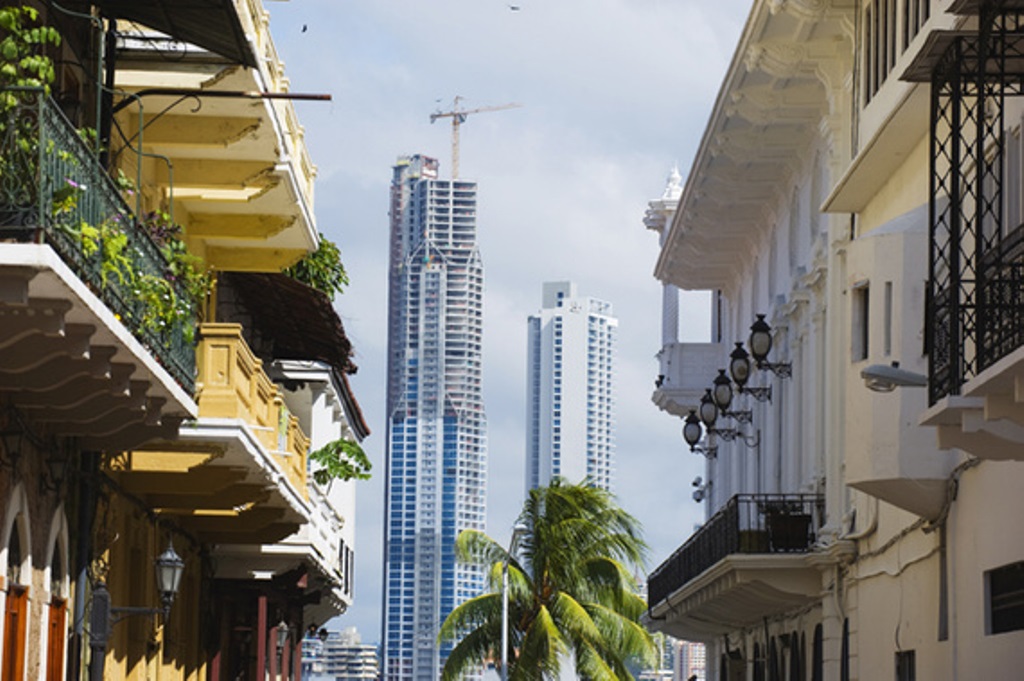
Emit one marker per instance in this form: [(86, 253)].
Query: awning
[(210, 24), (298, 321)]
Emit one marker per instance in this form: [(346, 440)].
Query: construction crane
[(458, 117)]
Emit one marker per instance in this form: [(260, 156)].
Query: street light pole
[(504, 620), (517, 531)]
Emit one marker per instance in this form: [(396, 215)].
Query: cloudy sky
[(613, 94)]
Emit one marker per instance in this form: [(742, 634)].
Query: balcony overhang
[(773, 102), (68, 362), (213, 25), (218, 482), (987, 420), (314, 547), (237, 173), (737, 592)]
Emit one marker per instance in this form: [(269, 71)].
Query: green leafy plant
[(163, 306), (322, 269), (22, 48), (25, 72), (340, 460)]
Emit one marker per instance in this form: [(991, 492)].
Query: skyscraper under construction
[(436, 447)]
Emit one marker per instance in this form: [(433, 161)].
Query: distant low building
[(347, 658)]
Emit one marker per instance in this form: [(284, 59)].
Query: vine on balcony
[(24, 63), (163, 307)]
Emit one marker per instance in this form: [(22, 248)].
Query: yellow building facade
[(153, 175)]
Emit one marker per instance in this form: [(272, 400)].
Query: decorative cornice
[(805, 10)]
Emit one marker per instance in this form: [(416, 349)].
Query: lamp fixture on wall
[(739, 368), (10, 442), (12, 436), (168, 567), (722, 394), (692, 433), (709, 416), (282, 634), (56, 472), (760, 343)]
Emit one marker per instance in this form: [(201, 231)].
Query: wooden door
[(55, 640), (13, 668)]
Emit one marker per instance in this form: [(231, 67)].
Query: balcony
[(80, 346), (748, 562), (234, 385), (976, 333), (686, 371), (237, 474), (241, 168)]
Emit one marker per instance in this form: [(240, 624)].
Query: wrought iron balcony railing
[(53, 190), (976, 265), (749, 524)]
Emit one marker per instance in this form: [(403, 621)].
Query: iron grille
[(747, 524), (43, 162), (976, 260)]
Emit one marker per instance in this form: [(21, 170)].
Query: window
[(905, 664), (859, 326), (1004, 591), (818, 655), (887, 330), (844, 653)]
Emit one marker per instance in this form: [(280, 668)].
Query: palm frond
[(470, 615), (623, 636), (541, 651), (469, 654)]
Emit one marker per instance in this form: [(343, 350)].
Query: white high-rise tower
[(436, 448), (570, 403)]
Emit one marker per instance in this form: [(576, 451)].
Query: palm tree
[(570, 590)]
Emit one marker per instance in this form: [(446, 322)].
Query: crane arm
[(464, 112), (458, 117)]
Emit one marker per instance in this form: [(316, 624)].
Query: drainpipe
[(83, 550)]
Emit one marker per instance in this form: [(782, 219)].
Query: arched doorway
[(16, 602), (56, 625)]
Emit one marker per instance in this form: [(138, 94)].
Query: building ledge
[(987, 420), (737, 592)]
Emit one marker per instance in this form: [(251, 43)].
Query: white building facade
[(858, 185), (436, 448), (570, 403)]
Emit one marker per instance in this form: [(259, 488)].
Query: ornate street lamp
[(739, 367), (169, 568), (282, 634), (722, 393), (692, 432), (722, 390), (708, 410), (760, 343)]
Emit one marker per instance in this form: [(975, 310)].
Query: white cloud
[(614, 92)]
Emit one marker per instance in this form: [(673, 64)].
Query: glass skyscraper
[(570, 403), (436, 447)]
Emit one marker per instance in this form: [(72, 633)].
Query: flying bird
[(514, 8)]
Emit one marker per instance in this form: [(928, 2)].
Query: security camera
[(884, 378), (699, 494), (696, 481)]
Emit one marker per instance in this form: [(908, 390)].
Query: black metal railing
[(54, 191), (976, 260), (748, 523)]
